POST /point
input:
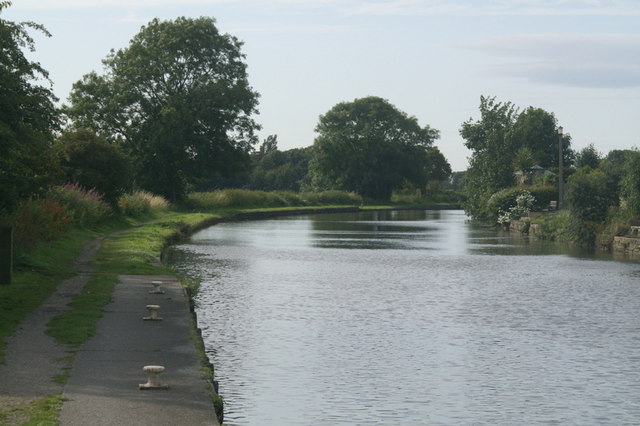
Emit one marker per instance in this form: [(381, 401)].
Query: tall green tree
[(537, 129), (28, 116), (614, 166), (438, 168), (490, 164), (370, 147), (90, 161), (178, 100), (588, 156)]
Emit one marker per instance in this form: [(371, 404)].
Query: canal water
[(411, 318)]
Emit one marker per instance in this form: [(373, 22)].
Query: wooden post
[(6, 254)]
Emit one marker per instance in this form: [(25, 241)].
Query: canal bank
[(625, 247)]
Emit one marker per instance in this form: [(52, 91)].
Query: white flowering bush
[(524, 203)]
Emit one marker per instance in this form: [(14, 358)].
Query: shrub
[(86, 206), (39, 220), (543, 195), (502, 201), (559, 227), (588, 195), (523, 205)]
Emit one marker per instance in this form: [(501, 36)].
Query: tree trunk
[(6, 254)]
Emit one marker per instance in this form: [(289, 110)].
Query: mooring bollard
[(153, 382), (153, 313), (156, 287)]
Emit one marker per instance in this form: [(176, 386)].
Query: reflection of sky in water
[(398, 230), (424, 319)]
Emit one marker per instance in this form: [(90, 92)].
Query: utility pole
[(560, 170)]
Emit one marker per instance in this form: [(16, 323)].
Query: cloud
[(579, 60), (495, 7), (153, 4), (371, 7)]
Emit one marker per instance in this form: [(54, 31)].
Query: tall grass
[(241, 198), (87, 207), (142, 203), (45, 219), (39, 220)]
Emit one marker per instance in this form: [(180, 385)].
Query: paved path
[(103, 388)]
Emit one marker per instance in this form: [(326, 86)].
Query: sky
[(432, 59)]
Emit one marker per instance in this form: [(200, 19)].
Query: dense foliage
[(588, 195), (28, 117), (370, 147), (504, 141), (88, 160), (630, 183), (588, 156), (178, 101), (281, 170)]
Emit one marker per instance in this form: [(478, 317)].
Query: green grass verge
[(45, 411), (42, 412), (35, 277)]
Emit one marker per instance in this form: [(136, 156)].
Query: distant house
[(525, 177)]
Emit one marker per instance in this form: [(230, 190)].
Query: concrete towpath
[(103, 387)]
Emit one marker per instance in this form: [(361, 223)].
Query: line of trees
[(174, 112)]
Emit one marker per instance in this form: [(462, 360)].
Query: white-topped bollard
[(153, 382), (157, 287), (153, 313)]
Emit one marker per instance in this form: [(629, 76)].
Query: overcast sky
[(579, 59)]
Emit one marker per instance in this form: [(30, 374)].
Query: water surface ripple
[(410, 318)]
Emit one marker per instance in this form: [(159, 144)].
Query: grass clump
[(142, 203), (44, 411)]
